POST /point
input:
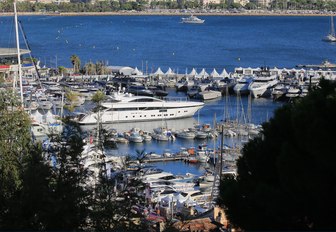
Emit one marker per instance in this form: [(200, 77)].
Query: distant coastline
[(171, 13)]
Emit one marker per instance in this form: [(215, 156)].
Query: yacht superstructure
[(124, 107)]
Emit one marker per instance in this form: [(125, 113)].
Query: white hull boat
[(130, 108), (192, 19)]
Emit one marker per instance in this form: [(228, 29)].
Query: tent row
[(128, 71), (203, 73)]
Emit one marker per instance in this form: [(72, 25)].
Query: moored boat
[(130, 108)]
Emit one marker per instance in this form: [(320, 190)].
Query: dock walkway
[(164, 159)]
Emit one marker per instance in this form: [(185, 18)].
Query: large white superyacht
[(263, 83), (125, 107)]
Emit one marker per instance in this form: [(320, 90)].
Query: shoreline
[(144, 13)]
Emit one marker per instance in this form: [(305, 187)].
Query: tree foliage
[(14, 143), (48, 187), (286, 178), (72, 98), (76, 62), (113, 6)]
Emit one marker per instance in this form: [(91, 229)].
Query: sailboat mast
[(18, 51), (332, 29)]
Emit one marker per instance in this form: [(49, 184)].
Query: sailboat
[(331, 37), (41, 125)]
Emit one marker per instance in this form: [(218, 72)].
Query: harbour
[(178, 149)]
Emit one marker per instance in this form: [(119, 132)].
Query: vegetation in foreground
[(286, 178), (48, 188)]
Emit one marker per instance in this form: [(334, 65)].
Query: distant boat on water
[(331, 37), (192, 19)]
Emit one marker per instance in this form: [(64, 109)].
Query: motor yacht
[(192, 19), (279, 91), (263, 83), (242, 85), (130, 108), (293, 92)]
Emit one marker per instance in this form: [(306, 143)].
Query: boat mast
[(18, 52), (332, 29)]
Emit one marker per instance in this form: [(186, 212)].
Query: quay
[(165, 159)]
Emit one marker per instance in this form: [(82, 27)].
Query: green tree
[(100, 68), (251, 6), (28, 209), (61, 70), (7, 6), (71, 191), (14, 143), (72, 98), (75, 61), (90, 68), (286, 178)]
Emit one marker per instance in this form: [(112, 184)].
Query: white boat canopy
[(158, 72), (214, 73)]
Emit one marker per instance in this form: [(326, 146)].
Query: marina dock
[(165, 159)]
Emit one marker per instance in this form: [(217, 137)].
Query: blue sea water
[(149, 42)]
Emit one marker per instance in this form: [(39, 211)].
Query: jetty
[(165, 159), (324, 65)]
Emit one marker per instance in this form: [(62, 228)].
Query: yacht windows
[(145, 100)]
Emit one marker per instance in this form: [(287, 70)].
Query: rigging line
[(11, 29), (31, 58), (243, 115)]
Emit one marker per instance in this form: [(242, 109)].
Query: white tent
[(137, 72), (214, 73), (224, 73), (169, 72), (158, 72), (193, 72), (203, 73), (284, 70), (127, 71)]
